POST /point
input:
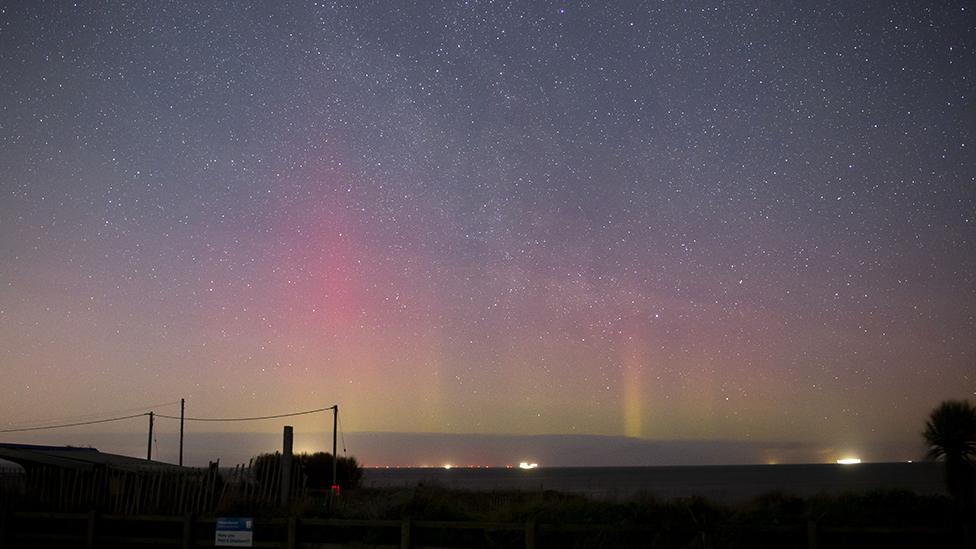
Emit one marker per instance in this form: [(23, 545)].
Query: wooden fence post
[(292, 532), (5, 523), (530, 530), (405, 533), (90, 535), (187, 542), (812, 534)]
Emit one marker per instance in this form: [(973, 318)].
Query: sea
[(721, 483)]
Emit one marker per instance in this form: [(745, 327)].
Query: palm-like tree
[(950, 434)]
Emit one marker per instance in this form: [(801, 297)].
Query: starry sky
[(666, 220)]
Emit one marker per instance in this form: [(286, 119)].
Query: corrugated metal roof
[(70, 457)]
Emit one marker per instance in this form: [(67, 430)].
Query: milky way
[(667, 220)]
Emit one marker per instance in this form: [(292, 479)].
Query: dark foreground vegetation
[(432, 516), (315, 469), (877, 508)]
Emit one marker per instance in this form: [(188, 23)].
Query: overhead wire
[(57, 421), (342, 434), (155, 441), (78, 424), (257, 418)]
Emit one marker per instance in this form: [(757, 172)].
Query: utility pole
[(335, 456), (182, 410), (286, 459), (149, 444)]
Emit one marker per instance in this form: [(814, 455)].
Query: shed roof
[(71, 457)]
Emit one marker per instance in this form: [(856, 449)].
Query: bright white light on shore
[(527, 465), (848, 461), (448, 466)]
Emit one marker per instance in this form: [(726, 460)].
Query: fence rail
[(91, 530)]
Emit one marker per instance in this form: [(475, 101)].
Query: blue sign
[(234, 532)]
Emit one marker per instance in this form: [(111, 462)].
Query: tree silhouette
[(950, 434)]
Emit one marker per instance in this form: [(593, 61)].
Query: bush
[(318, 471), (316, 467)]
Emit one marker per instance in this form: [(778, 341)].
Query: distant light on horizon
[(848, 461), (448, 466), (527, 465)]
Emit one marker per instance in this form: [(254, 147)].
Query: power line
[(342, 435), (94, 416), (71, 424), (315, 411), (121, 418)]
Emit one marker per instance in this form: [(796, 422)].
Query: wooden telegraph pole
[(149, 444), (288, 438), (335, 456), (182, 410)]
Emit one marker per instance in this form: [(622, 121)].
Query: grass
[(877, 509), (774, 519)]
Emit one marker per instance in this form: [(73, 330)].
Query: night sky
[(667, 220)]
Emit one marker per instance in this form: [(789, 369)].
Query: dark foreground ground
[(811, 506)]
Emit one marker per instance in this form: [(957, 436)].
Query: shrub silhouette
[(950, 433), (317, 468), (318, 471)]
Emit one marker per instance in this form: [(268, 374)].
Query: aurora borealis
[(664, 220)]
